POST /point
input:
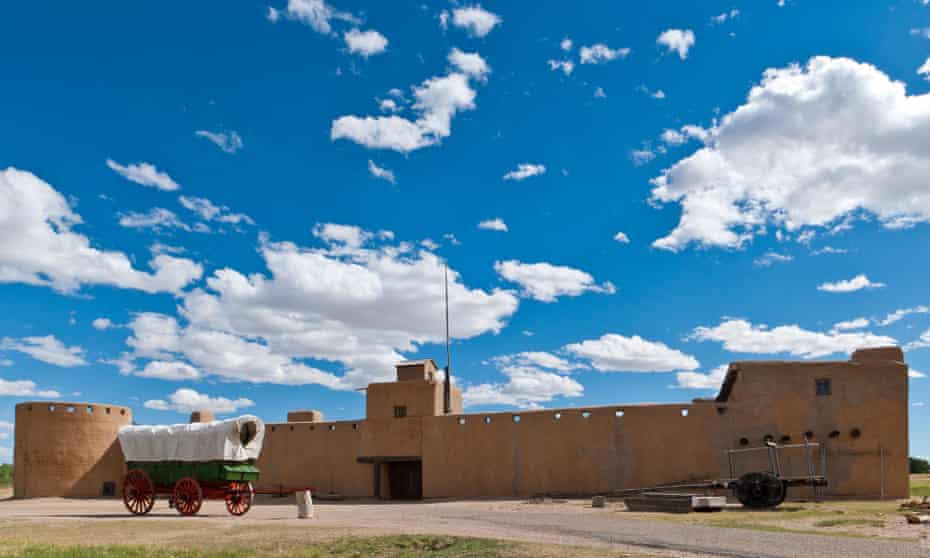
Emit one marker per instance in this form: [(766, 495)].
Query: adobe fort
[(408, 447)]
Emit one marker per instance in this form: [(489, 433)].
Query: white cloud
[(145, 174), (924, 69), (315, 13), (857, 283), (470, 64), (622, 238), (546, 282), (526, 387), (538, 359), (46, 349), (600, 54), (24, 388), (696, 380), (721, 18), (524, 171), (921, 32), (567, 66), (475, 19), (828, 250), (642, 156), (677, 40), (673, 137), (897, 315), (496, 224), (769, 258), (101, 324), (381, 172), (741, 336), (914, 374), (6, 362), (566, 44), (438, 100), (922, 342), (616, 353), (229, 142), (365, 43), (599, 93), (357, 305), (169, 370), (208, 211), (38, 246), (856, 323), (187, 401), (687, 132), (658, 94), (810, 146), (388, 105), (156, 218)]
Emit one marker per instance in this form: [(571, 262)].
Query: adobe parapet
[(68, 449)]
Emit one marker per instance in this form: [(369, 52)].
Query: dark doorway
[(406, 480)]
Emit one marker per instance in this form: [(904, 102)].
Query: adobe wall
[(601, 449), (568, 451), (67, 449), (869, 395)]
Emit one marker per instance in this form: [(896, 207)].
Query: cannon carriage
[(190, 463)]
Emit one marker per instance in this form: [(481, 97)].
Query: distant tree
[(6, 474), (920, 466)]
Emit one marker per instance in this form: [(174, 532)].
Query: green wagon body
[(167, 473)]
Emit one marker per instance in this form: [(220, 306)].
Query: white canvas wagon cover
[(237, 439)]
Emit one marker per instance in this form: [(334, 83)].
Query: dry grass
[(423, 546), (920, 485), (846, 518)]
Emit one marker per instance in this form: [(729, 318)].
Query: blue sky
[(247, 206)]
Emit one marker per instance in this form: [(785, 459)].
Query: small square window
[(400, 411), (824, 387)]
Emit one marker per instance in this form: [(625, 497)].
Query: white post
[(304, 504)]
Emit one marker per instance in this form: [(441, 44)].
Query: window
[(400, 411), (824, 387)]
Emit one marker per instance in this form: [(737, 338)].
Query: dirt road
[(107, 522)]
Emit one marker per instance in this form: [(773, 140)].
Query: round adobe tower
[(68, 449)]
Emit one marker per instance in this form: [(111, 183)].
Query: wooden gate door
[(406, 480)]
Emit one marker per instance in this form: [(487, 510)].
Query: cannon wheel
[(239, 498), (187, 496), (760, 490), (138, 492)]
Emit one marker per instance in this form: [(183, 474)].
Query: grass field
[(920, 485), (382, 547)]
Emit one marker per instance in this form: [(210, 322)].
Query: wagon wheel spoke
[(239, 498), (188, 496), (138, 492)]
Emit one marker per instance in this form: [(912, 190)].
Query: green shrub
[(920, 466), (6, 474)]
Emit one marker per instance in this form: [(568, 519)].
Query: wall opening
[(684, 412), (405, 479), (823, 386), (400, 411)]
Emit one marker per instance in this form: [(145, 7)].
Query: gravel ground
[(107, 522)]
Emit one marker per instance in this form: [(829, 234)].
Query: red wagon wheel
[(188, 496), (138, 492), (239, 498)]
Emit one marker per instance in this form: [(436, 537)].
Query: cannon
[(190, 463)]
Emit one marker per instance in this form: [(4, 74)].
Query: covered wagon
[(192, 462)]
